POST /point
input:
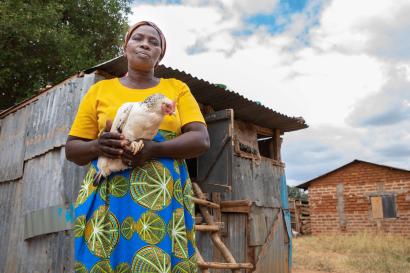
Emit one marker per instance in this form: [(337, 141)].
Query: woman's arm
[(193, 142), (81, 151)]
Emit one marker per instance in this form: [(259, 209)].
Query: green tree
[(297, 193), (44, 41)]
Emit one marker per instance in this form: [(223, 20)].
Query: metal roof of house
[(216, 96), (205, 92), (305, 185)]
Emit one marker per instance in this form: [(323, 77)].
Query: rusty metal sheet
[(9, 227), (48, 180), (215, 166), (258, 230), (72, 176), (205, 245), (220, 98), (43, 181), (273, 256), (236, 239), (257, 182), (52, 115), (48, 220), (12, 136)]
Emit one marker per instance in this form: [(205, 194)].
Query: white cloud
[(337, 76), (388, 106), (239, 7)]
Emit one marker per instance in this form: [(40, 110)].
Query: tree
[(297, 193), (44, 41)]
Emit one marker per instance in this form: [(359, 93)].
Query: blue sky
[(277, 19), (343, 65)]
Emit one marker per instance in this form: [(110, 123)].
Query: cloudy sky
[(344, 65)]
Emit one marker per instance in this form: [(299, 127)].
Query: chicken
[(136, 121)]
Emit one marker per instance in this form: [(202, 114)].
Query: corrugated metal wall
[(34, 175), (32, 139), (259, 237)]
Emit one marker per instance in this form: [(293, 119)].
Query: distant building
[(360, 196)]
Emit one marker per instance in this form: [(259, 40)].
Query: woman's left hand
[(146, 153)]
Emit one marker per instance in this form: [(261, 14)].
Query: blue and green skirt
[(139, 220)]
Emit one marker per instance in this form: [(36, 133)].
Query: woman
[(140, 219)]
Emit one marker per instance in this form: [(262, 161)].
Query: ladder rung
[(205, 203), (207, 228), (225, 265)]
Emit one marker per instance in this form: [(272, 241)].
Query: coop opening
[(192, 168), (266, 146)]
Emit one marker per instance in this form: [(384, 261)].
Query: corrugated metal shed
[(52, 114), (216, 96), (36, 176), (12, 148), (37, 181)]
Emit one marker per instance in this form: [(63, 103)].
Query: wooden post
[(297, 216), (277, 143), (216, 198)]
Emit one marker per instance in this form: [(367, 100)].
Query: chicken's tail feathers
[(97, 178)]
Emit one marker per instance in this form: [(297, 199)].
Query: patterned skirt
[(139, 220)]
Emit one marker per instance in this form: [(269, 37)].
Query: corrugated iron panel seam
[(28, 101)]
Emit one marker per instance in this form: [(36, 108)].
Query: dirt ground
[(304, 271)]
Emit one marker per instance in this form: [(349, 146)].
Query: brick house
[(360, 196)]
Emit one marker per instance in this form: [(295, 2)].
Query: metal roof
[(216, 96), (205, 92), (305, 185)]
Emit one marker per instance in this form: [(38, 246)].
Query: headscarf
[(148, 23)]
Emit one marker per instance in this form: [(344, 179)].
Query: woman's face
[(143, 48)]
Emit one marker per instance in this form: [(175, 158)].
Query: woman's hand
[(146, 153), (193, 142), (110, 144), (81, 150)]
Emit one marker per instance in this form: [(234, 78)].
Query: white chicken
[(135, 120)]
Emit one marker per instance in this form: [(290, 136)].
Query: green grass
[(359, 253)]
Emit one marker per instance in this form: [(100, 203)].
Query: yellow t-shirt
[(105, 97)]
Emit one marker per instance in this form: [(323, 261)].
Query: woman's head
[(144, 45)]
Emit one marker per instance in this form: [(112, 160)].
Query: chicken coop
[(242, 215)]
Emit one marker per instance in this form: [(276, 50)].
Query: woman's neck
[(139, 79)]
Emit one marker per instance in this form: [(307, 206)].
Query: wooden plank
[(220, 115), (277, 140), (224, 265), (297, 217), (377, 207), (205, 203), (236, 203), (207, 228), (240, 209), (216, 198), (264, 131)]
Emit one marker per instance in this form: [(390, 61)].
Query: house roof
[(205, 92), (216, 95), (305, 185)]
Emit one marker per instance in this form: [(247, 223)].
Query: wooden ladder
[(214, 228)]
